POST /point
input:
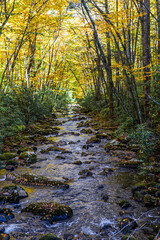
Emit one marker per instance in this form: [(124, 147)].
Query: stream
[(93, 217)]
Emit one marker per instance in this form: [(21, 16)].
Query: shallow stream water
[(93, 218)]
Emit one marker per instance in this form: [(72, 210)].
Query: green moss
[(50, 211), (49, 237), (7, 156)]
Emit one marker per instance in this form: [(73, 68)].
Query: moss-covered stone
[(12, 194), (85, 173), (50, 211), (93, 140), (7, 213), (7, 156), (86, 131), (127, 224), (32, 180), (29, 157), (150, 200), (77, 162), (4, 236), (49, 237), (59, 157), (122, 202)]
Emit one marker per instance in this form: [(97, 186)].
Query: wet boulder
[(85, 173), (50, 212), (124, 204), (49, 237), (13, 194), (28, 157), (86, 131), (4, 236), (105, 198), (6, 214), (93, 140), (106, 171), (127, 225), (77, 163)]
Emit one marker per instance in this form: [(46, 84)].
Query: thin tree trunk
[(146, 61)]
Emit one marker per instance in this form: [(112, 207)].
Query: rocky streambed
[(66, 184)]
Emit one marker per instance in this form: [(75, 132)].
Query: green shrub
[(90, 104)]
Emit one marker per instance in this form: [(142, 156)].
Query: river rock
[(77, 162), (29, 157), (86, 131), (10, 167), (49, 237), (151, 201), (93, 140), (4, 236), (127, 224), (105, 198), (85, 173), (7, 213), (13, 193), (50, 212)]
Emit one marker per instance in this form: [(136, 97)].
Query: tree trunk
[(109, 58), (146, 61)]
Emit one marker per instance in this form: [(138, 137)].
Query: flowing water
[(93, 218)]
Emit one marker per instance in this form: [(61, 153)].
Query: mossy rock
[(59, 157), (127, 224), (77, 163), (86, 131), (128, 237), (93, 140), (122, 202), (24, 149), (49, 237), (151, 201), (51, 211), (7, 156), (4, 236), (83, 124), (7, 213), (85, 173), (29, 157), (32, 180), (13, 193)]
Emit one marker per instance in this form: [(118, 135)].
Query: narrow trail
[(93, 195)]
